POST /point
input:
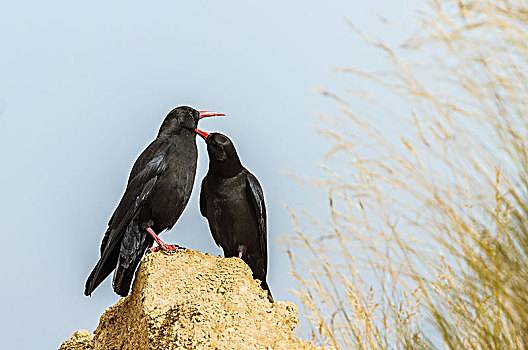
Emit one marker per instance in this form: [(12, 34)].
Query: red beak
[(202, 133), (205, 114)]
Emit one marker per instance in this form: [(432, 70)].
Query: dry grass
[(425, 244)]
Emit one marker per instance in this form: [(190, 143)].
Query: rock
[(192, 300), (80, 340)]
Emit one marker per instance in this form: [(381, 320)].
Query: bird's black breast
[(228, 212), (173, 188)]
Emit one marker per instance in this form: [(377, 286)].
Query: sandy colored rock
[(80, 340), (192, 300)]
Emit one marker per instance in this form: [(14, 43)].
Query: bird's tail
[(102, 269), (133, 246), (265, 286)]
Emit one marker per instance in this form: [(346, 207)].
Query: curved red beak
[(205, 114), (202, 133)]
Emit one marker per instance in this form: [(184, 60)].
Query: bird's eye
[(222, 140), (215, 142)]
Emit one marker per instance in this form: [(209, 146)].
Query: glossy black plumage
[(157, 192), (232, 200)]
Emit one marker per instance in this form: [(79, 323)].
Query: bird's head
[(222, 152), (183, 117)]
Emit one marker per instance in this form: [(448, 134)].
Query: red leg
[(240, 255), (165, 247)]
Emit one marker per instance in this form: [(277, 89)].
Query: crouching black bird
[(158, 190), (232, 200)]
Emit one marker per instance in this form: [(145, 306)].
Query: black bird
[(232, 200), (158, 189)]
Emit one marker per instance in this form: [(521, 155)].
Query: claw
[(167, 248)]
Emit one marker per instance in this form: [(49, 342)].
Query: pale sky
[(84, 88)]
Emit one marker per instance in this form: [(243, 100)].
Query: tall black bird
[(158, 190), (232, 200)]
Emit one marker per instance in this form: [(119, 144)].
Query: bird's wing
[(149, 164), (138, 189), (255, 196), (137, 192)]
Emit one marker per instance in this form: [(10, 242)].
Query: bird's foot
[(167, 248), (240, 255)]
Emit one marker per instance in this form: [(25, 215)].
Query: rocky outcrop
[(191, 300)]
